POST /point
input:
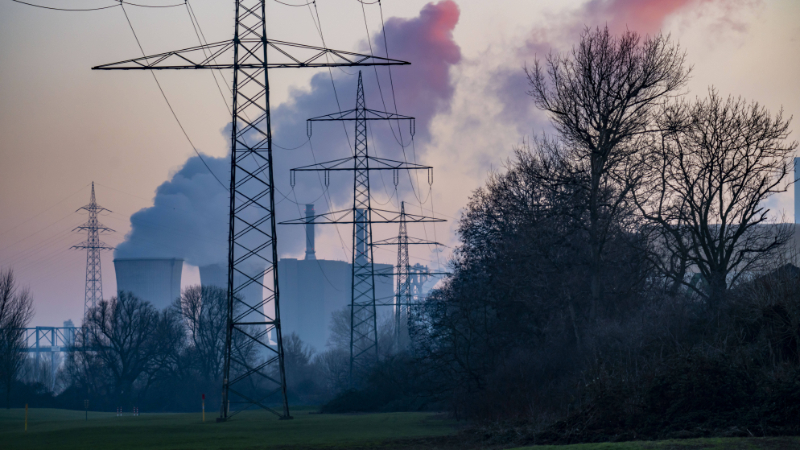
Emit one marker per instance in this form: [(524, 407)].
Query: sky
[(63, 125)]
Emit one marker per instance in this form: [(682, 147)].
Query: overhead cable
[(292, 5), (138, 5), (170, 105), (66, 9), (153, 6)]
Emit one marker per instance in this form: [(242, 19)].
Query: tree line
[(129, 354), (622, 276)]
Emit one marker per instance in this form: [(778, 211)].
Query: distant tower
[(310, 252), (93, 246), (402, 299), (363, 313)]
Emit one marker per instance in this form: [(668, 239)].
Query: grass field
[(53, 429), (62, 429), (776, 443)]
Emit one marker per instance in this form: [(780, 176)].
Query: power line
[(35, 232), (328, 200), (201, 37), (318, 25), (66, 9), (138, 5), (170, 105), (394, 100), (42, 212), (294, 6), (198, 31), (153, 6), (377, 78)]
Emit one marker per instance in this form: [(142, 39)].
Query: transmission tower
[(402, 299), (363, 317), (252, 238), (418, 276), (93, 247), (403, 290)]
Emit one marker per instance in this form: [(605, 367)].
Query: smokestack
[(310, 253), (157, 281), (796, 191)]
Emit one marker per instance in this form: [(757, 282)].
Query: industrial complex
[(311, 289)]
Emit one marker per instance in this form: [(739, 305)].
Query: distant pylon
[(93, 247), (406, 276), (363, 314), (402, 297)]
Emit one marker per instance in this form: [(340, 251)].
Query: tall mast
[(252, 256), (93, 247)]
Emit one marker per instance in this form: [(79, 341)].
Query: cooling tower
[(156, 280)]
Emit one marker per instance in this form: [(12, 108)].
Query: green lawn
[(61, 429), (774, 443), (54, 429)]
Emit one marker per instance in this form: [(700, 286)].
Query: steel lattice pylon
[(404, 291), (363, 317), (402, 297), (252, 240), (93, 247)]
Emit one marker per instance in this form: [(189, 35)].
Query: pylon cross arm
[(280, 54), (364, 163), (360, 114), (409, 240)]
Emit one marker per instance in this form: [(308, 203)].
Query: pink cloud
[(646, 17), (424, 88), (642, 16)]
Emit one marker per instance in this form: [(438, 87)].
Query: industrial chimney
[(310, 253)]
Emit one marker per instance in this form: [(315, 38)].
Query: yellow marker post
[(26, 417)]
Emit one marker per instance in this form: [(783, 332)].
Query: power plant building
[(313, 289), (157, 281)]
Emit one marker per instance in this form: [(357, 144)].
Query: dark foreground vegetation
[(619, 280)]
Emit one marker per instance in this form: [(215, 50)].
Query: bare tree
[(334, 369), (204, 309), (601, 98), (128, 341), (16, 310), (707, 180)]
